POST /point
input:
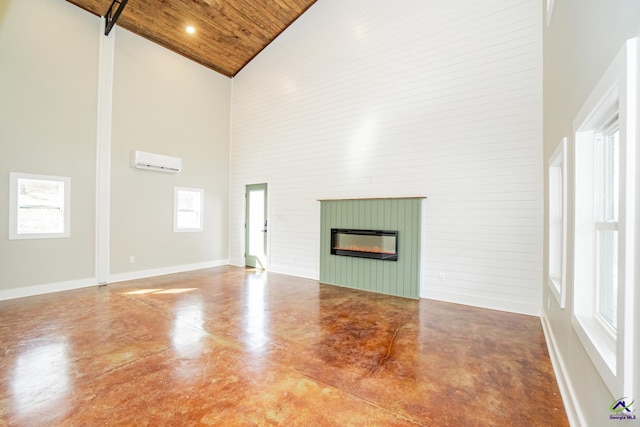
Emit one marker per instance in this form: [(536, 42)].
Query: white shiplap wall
[(418, 98)]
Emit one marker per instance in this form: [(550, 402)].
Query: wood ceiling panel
[(228, 33)]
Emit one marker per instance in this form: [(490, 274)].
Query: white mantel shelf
[(376, 198)]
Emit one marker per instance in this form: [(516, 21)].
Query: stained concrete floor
[(229, 346)]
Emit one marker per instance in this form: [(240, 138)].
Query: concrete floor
[(229, 346)]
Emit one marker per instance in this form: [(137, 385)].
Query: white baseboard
[(236, 261), (47, 288), (143, 274), (475, 301), (305, 274), (574, 414), (68, 285)]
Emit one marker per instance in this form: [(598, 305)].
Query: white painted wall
[(164, 103), (582, 39), (48, 107), (437, 99), (49, 53)]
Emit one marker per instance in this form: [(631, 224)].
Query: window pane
[(40, 206), (611, 178), (189, 200), (607, 275), (188, 219)]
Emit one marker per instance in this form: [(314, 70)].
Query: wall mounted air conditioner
[(155, 162)]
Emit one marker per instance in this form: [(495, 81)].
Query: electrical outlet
[(132, 259), (441, 275)]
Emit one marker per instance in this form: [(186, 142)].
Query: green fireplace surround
[(401, 277)]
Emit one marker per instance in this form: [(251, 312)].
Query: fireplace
[(375, 244), (365, 264)]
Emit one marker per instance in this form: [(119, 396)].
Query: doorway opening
[(255, 226)]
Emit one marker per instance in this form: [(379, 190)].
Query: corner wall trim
[(574, 414), (47, 288), (103, 154), (142, 274)]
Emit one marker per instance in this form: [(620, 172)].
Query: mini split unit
[(155, 162)]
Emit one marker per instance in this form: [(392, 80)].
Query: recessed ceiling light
[(190, 29)]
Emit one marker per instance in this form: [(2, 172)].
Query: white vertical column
[(103, 170)]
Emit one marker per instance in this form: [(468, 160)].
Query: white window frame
[(65, 206), (558, 184), (617, 92), (200, 212)]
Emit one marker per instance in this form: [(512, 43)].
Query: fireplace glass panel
[(365, 243)]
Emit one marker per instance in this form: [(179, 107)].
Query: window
[(604, 240), (38, 206), (557, 222), (188, 203)]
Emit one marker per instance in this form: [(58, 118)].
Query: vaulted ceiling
[(228, 33)]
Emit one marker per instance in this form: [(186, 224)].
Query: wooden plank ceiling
[(228, 33)]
